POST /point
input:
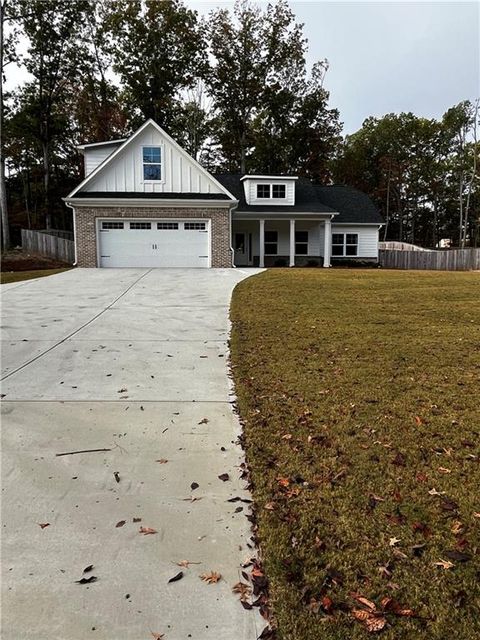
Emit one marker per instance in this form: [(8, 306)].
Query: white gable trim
[(128, 141)]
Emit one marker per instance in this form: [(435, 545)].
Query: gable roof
[(109, 159), (348, 203)]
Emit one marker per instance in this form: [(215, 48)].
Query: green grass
[(374, 379), (17, 276)]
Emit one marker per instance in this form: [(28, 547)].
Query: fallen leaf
[(204, 421), (399, 460), (287, 436), (186, 563), (120, 523), (211, 578), (116, 475), (418, 420), (243, 590), (476, 514), (157, 636), (147, 530), (392, 606), (365, 601), (192, 499), (87, 580), (283, 482), (162, 461), (88, 569), (445, 564), (373, 622), (458, 556), (393, 541), (224, 477), (270, 506), (327, 604), (444, 470), (434, 492), (456, 527), (178, 576), (136, 519), (194, 486), (42, 525)]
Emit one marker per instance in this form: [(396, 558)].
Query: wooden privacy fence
[(52, 243), (449, 260), (400, 246)]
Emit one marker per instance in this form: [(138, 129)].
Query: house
[(145, 202)]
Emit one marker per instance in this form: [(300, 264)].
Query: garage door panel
[(161, 245)]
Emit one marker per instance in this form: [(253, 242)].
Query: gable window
[(279, 191), (263, 191), (271, 243), (152, 163), (344, 244), (301, 243)]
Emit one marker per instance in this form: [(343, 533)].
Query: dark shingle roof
[(306, 200), (152, 196), (352, 205)]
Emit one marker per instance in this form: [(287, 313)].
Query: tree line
[(234, 89)]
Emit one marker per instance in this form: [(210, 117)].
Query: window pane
[(352, 238), (271, 236), (194, 226), (351, 250), (271, 249), (337, 238), (278, 191), (152, 172), (167, 225), (337, 250), (301, 249), (240, 242), (301, 236), (140, 225), (263, 191), (151, 154)]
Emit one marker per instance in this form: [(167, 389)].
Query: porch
[(268, 242)]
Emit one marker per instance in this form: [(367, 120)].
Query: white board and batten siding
[(180, 174), (367, 238)]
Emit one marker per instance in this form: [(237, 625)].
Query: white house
[(145, 202)]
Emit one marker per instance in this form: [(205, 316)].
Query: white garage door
[(154, 243)]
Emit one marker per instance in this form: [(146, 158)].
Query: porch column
[(292, 243), (261, 239), (327, 243)]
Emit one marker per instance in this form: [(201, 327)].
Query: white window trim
[(271, 197), (162, 159), (344, 244)]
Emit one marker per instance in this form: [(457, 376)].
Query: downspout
[(230, 229), (74, 232)]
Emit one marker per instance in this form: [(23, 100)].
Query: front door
[(240, 245)]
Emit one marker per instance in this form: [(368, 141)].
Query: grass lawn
[(18, 276), (360, 396)]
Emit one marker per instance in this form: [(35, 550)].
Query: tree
[(7, 55), (55, 55), (158, 51)]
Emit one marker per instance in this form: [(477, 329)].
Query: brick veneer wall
[(86, 236)]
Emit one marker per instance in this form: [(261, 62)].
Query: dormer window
[(152, 164), (279, 191), (263, 191)]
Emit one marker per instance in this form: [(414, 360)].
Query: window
[(271, 243), (301, 243), (112, 225), (152, 163), (193, 226), (279, 191), (140, 225), (344, 244), (263, 191), (167, 225), (240, 242)]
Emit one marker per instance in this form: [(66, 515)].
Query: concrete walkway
[(134, 361)]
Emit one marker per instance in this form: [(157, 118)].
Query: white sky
[(385, 56)]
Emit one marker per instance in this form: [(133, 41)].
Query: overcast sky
[(385, 56), (390, 56)]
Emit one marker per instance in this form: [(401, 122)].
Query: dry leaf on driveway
[(157, 636), (120, 523), (211, 578), (162, 461), (186, 563), (147, 530), (178, 576), (42, 525), (243, 590)]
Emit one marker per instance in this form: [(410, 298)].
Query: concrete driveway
[(133, 361)]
